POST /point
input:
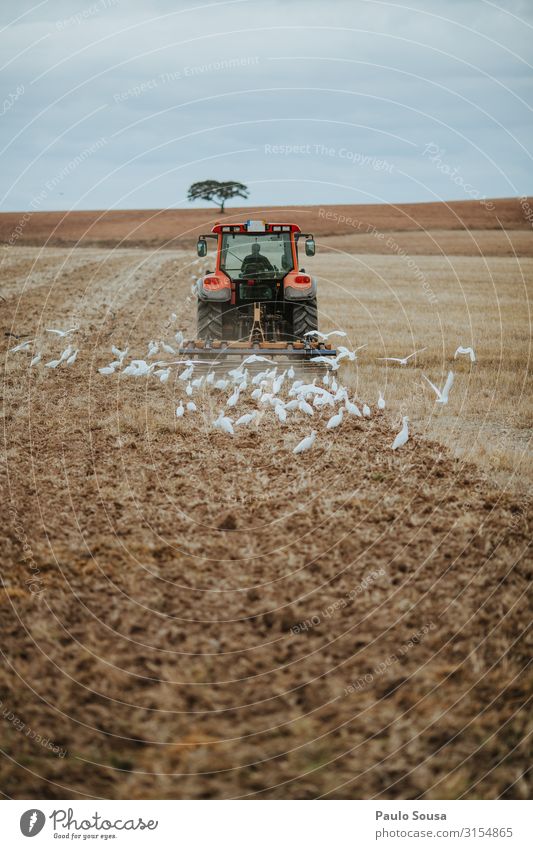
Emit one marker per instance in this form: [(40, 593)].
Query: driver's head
[(255, 249)]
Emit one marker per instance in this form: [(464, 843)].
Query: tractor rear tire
[(304, 318), (209, 320)]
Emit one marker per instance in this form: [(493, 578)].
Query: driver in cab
[(256, 262)]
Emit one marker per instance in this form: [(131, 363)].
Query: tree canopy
[(215, 192)]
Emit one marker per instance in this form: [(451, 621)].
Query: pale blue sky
[(124, 104)]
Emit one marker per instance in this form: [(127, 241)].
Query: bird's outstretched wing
[(448, 385), (415, 353), (334, 333), (436, 390), (469, 351)]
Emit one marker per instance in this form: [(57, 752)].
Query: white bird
[(280, 412), (72, 359), (138, 368), (366, 411), (185, 375), (345, 353), (24, 346), (179, 410), (246, 419), (179, 338), (381, 402), (104, 370), (301, 388), (120, 355), (168, 349), (62, 333), (191, 406), (352, 408), (255, 358), (210, 379), (305, 444), (256, 394), (221, 384), (304, 407), (323, 401), (197, 382), (153, 348), (469, 351), (233, 399), (292, 405), (164, 375), (257, 378), (291, 373), (224, 423), (173, 317), (325, 336), (188, 390), (402, 360), (278, 383), (36, 359), (325, 379), (330, 361), (66, 353), (335, 420), (52, 364), (442, 395), (402, 437)]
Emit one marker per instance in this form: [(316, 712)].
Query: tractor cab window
[(264, 257)]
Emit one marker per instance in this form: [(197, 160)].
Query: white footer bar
[(267, 824)]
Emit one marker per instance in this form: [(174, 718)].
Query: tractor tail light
[(302, 278), (213, 283)]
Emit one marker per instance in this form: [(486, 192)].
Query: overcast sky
[(125, 103)]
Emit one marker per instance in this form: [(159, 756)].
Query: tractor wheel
[(304, 318), (209, 321)]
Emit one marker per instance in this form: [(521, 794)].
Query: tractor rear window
[(263, 257)]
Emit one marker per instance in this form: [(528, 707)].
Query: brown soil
[(154, 571), (179, 228)]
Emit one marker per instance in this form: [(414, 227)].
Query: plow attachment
[(303, 352)]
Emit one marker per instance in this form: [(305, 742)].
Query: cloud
[(355, 91)]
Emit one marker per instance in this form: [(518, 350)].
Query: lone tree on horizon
[(215, 192)]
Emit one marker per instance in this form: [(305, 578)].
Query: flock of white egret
[(246, 394)]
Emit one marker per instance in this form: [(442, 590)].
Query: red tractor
[(256, 287)]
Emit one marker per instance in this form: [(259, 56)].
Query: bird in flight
[(255, 358), (324, 336), (402, 360), (469, 351), (442, 394), (23, 346), (62, 333)]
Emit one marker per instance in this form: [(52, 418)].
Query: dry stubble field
[(155, 571)]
